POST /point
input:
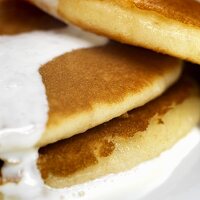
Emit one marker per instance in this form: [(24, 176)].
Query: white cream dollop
[(23, 102)]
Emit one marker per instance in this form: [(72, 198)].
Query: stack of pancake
[(111, 106)]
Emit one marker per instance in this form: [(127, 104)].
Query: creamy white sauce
[(23, 103), (140, 180)]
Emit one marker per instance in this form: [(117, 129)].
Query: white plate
[(183, 184)]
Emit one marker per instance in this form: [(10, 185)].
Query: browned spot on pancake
[(160, 121), (67, 159), (17, 16), (107, 147), (78, 80), (81, 151), (186, 11)]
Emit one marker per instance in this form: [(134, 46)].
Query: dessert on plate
[(77, 107)]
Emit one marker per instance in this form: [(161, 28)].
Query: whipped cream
[(23, 102), (140, 180)]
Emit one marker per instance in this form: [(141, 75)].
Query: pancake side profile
[(90, 86), (124, 142), (168, 26)]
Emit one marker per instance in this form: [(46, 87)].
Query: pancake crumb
[(81, 193), (125, 115)]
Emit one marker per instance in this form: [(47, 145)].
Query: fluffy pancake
[(124, 142), (18, 16), (167, 26), (90, 86)]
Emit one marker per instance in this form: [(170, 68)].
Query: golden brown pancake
[(17, 16), (168, 26), (90, 86), (124, 142)]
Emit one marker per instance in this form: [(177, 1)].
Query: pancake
[(18, 16), (168, 26), (96, 82), (100, 83), (86, 87), (124, 142), (90, 86)]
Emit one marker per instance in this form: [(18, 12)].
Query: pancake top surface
[(81, 151), (18, 16), (77, 81), (186, 11)]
